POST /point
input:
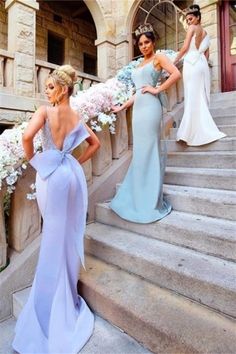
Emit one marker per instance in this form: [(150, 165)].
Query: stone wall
[(3, 26), (110, 41), (210, 22), (79, 36)]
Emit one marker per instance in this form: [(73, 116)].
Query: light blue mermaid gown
[(140, 198), (55, 319)]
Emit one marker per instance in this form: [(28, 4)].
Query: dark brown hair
[(194, 10)]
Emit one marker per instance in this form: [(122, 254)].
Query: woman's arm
[(165, 63), (207, 54), (127, 104), (35, 124), (94, 144), (186, 44)]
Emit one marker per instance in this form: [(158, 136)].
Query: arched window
[(167, 19)]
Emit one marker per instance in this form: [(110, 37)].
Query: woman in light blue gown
[(140, 198), (55, 319)]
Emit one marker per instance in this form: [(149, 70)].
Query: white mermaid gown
[(55, 319), (197, 126)]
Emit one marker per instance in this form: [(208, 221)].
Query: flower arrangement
[(124, 75), (12, 155), (95, 103)]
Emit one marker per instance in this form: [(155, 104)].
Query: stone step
[(105, 339), (215, 203), (224, 109), (223, 119), (224, 144), (201, 233), (160, 319), (223, 97), (201, 177), (203, 278), (223, 103), (203, 201), (201, 159), (229, 130)]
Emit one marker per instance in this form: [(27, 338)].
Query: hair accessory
[(193, 10), (146, 27)]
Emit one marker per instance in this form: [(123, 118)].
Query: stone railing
[(6, 70), (24, 223), (43, 69)]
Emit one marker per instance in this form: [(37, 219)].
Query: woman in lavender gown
[(55, 319)]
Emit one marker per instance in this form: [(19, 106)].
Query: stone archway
[(98, 18)]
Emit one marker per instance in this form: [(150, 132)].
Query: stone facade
[(3, 26), (25, 26), (79, 36)]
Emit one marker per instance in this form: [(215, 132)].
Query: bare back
[(62, 120), (200, 34)]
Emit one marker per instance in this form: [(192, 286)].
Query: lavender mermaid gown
[(55, 319)]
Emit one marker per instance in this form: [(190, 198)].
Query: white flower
[(12, 154), (104, 118), (11, 179), (97, 128), (31, 196)]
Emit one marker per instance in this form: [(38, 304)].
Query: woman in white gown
[(55, 319), (197, 126)]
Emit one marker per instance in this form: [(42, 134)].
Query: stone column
[(106, 54), (112, 55), (21, 41), (3, 242), (25, 219), (210, 22), (122, 52), (119, 140)]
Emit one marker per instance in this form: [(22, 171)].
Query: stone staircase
[(172, 284), (106, 338)]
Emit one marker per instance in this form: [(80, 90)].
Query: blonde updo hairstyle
[(65, 75)]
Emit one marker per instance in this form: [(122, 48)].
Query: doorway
[(228, 44)]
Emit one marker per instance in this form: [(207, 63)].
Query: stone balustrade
[(24, 224), (6, 70), (43, 69)]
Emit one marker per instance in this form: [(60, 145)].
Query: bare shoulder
[(192, 28), (159, 57), (40, 114), (41, 110)]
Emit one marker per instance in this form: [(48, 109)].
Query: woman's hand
[(117, 109), (94, 144), (150, 89), (175, 62)]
